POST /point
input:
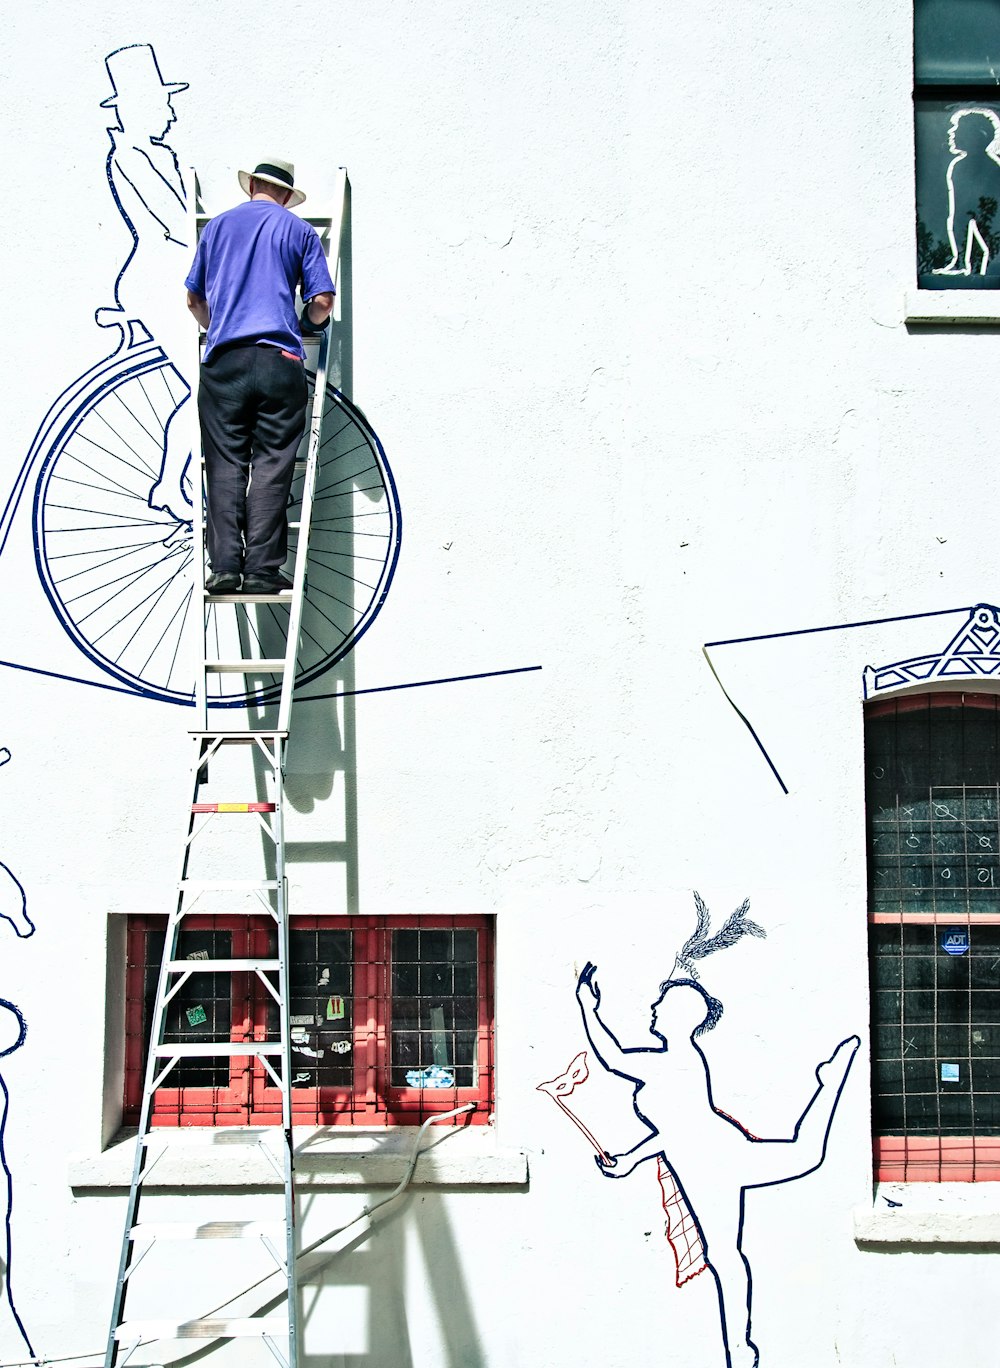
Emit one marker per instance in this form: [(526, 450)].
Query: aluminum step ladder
[(266, 746)]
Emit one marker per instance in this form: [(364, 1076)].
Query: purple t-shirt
[(248, 264)]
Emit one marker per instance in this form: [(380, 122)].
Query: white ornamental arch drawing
[(971, 654), (108, 472)]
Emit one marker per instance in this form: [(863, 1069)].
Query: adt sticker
[(955, 941)]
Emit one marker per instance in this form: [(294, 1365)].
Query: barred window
[(933, 803), (391, 1020)]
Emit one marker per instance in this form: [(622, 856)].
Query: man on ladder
[(252, 387)]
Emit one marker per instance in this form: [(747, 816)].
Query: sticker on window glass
[(955, 940), (430, 1078), (198, 955), (949, 1073), (340, 1047), (335, 1009), (197, 1016)]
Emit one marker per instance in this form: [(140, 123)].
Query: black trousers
[(252, 406)]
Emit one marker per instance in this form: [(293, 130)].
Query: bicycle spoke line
[(334, 435), (313, 590), (163, 590), (160, 590), (341, 574), (149, 399), (101, 527), (143, 472), (328, 496), (136, 419), (349, 479), (347, 555), (352, 517), (120, 493), (342, 455), (73, 555), (127, 581), (89, 569), (132, 581), (150, 470), (100, 474), (181, 608), (300, 657)]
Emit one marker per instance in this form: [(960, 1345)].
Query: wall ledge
[(952, 306), (930, 1214), (325, 1157)]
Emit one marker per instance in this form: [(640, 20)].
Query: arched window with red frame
[(932, 764)]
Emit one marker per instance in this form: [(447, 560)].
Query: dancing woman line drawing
[(13, 1030), (706, 1161)]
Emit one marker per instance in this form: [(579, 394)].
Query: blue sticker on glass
[(955, 940), (949, 1073)]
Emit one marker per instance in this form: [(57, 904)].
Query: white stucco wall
[(629, 292)]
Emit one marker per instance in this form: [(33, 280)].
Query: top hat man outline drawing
[(148, 188)]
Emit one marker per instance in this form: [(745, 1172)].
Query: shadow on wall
[(366, 1288)]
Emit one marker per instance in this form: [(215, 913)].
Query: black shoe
[(266, 584), (223, 584)]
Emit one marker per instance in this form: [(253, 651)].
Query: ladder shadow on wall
[(322, 747), (361, 1293)]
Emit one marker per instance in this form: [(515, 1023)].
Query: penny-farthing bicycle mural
[(108, 469)]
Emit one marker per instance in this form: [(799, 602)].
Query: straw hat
[(275, 172)]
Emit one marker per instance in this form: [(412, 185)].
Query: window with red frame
[(391, 1020), (933, 802)]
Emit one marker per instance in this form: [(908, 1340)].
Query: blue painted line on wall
[(421, 683), (839, 626), (805, 631), (311, 698), (8, 1177)]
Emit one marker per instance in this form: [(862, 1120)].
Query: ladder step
[(243, 736), (285, 596), (220, 966), (228, 885), (239, 1327), (272, 666), (207, 1230), (208, 1049), (234, 807)]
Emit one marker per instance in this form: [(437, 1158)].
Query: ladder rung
[(207, 1049), (272, 666), (222, 966), (207, 1230), (285, 596), (227, 886), (243, 736), (228, 1328), (234, 807)]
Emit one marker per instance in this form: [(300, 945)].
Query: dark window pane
[(322, 1007), (956, 41), (958, 194), (202, 1010)]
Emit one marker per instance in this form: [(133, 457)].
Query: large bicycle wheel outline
[(94, 482)]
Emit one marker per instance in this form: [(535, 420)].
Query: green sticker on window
[(335, 1009), (196, 1016)]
